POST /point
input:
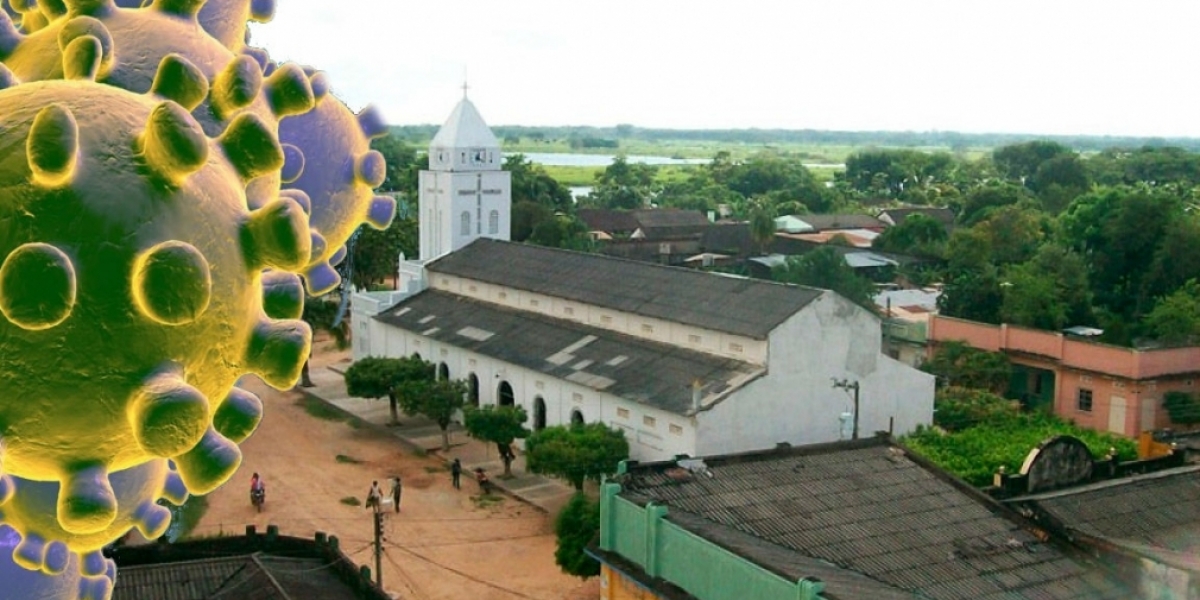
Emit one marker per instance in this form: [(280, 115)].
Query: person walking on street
[(374, 496), (455, 473), (396, 489)]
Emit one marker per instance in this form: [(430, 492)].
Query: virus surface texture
[(154, 229), (340, 171)]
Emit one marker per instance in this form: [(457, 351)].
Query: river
[(564, 159)]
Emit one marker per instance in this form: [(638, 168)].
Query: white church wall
[(653, 434), (685, 336), (796, 402)]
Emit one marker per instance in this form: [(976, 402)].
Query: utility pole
[(378, 547), (846, 384)]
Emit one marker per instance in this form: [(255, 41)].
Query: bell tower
[(465, 194)]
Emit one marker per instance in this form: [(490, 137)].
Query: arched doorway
[(443, 371), (473, 389), (576, 417), (539, 414), (504, 395)]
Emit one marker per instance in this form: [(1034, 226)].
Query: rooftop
[(650, 373), (258, 576), (945, 216), (464, 128), (737, 305), (1158, 510), (837, 222), (871, 508)]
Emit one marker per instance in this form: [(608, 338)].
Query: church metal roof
[(651, 373), (465, 128), (737, 305)]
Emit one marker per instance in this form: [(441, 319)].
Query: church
[(684, 361)]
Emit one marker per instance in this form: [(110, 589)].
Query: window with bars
[(1083, 401)]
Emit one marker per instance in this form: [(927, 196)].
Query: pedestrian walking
[(396, 490), (455, 473), (374, 496)]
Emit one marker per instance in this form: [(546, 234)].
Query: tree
[(917, 235), (575, 527), (762, 226), (377, 253), (958, 408), (531, 183), (975, 295), (320, 313), (1048, 292), (1019, 162), (1013, 233), (958, 365), (500, 425), (623, 185), (376, 377), (1175, 320), (576, 453), (403, 163), (1183, 408), (437, 399), (981, 200), (825, 268)]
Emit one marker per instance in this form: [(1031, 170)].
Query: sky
[(1060, 67)]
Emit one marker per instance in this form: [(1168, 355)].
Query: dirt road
[(442, 545)]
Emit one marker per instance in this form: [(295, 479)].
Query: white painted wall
[(649, 439), (795, 401), (445, 196)]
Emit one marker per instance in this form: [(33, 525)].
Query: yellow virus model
[(131, 284), (149, 259)]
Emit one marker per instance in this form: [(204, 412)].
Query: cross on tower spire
[(465, 87)]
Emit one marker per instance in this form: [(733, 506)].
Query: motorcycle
[(258, 497)]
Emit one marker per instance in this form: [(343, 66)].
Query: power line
[(461, 573)]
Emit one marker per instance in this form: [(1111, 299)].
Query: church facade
[(685, 362)]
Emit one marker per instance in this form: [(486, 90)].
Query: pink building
[(1096, 385)]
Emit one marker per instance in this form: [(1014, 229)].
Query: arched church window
[(466, 223), (494, 222)]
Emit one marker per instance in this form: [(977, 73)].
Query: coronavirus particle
[(131, 285), (340, 171)]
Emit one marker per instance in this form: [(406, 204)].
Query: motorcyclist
[(256, 484)]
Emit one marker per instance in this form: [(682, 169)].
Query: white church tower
[(465, 194)]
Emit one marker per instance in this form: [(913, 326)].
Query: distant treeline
[(588, 137)]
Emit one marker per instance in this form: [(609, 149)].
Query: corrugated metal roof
[(737, 305), (651, 373), (1158, 509), (867, 507), (247, 577)]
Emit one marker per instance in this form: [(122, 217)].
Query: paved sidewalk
[(419, 433)]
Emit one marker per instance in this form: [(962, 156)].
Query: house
[(664, 235), (683, 361), (262, 566), (896, 216), (854, 520), (906, 315), (1099, 386), (1141, 517)]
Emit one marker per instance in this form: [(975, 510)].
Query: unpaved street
[(442, 545)]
